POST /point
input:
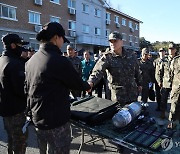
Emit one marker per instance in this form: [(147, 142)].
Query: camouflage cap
[(115, 36), (145, 51), (161, 49), (172, 46)]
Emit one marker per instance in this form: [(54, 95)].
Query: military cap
[(51, 29), (13, 38), (115, 36), (172, 46), (145, 51)]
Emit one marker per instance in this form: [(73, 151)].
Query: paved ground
[(97, 148)]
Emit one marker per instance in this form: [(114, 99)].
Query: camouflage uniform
[(58, 140), (123, 75), (16, 139), (175, 92), (147, 70), (157, 63), (163, 77), (77, 65)]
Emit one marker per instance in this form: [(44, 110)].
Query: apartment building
[(26, 18), (87, 22), (90, 21), (124, 24)]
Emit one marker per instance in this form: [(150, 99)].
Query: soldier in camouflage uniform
[(147, 69), (77, 65), (164, 79), (123, 71), (12, 96), (175, 92), (157, 63)]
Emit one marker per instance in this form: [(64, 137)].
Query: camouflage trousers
[(54, 141), (16, 139), (175, 107)]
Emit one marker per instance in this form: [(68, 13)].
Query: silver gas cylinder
[(127, 114), (135, 109)]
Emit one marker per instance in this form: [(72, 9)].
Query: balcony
[(92, 40)]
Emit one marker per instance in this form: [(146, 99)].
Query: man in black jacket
[(49, 78), (12, 96)]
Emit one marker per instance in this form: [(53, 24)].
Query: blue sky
[(161, 18)]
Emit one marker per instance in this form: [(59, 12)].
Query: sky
[(161, 18)]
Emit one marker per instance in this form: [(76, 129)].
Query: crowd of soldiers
[(43, 90)]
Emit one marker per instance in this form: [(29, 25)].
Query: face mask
[(18, 50)]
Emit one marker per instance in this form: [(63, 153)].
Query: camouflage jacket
[(157, 63), (76, 64), (175, 74), (147, 70), (163, 74), (123, 74)]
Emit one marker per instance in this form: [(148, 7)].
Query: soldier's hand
[(160, 85), (91, 85)]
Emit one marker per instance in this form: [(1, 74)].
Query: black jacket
[(49, 77), (12, 97)]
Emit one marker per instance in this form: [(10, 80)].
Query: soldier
[(77, 65), (164, 80), (49, 76), (157, 63), (12, 96), (123, 71), (147, 70), (175, 92)]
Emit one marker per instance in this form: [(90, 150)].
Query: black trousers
[(158, 95), (165, 94)]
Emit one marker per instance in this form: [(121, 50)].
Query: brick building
[(87, 22)]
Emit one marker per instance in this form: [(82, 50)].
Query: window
[(130, 38), (97, 31), (136, 39), (124, 36), (116, 19), (71, 4), (85, 8), (123, 22), (107, 33), (136, 26), (72, 25), (54, 19), (130, 24), (108, 16), (7, 12), (55, 1), (34, 17), (85, 29), (35, 46), (97, 12)]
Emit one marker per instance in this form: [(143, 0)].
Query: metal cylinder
[(135, 109), (127, 114)]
